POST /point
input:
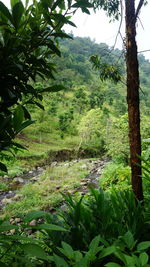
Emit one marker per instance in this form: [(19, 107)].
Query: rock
[(17, 196), (84, 166), (32, 223), (18, 180), (34, 179), (17, 220), (30, 172), (83, 183), (53, 164), (6, 201), (12, 231), (67, 164)]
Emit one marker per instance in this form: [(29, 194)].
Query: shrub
[(115, 175)]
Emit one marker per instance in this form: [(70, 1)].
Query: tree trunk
[(133, 99)]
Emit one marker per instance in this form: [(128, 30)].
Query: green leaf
[(17, 12), (85, 10), (143, 258), (18, 117), (61, 35), (94, 243), (4, 228), (60, 262), (54, 88), (24, 125), (143, 245), (5, 11), (107, 251), (3, 167), (82, 3), (35, 251), (112, 264), (33, 215), (129, 240), (49, 227), (18, 145), (67, 250)]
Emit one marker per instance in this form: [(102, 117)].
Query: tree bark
[(133, 99)]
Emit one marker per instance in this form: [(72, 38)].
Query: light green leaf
[(49, 227), (143, 258), (18, 117), (60, 262), (129, 240), (94, 243), (107, 251), (143, 245), (112, 264), (35, 251), (68, 251)]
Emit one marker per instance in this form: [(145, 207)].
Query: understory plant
[(100, 229)]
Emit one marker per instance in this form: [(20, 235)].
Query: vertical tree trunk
[(133, 98)]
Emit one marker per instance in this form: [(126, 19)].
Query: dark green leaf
[(5, 11), (17, 12), (3, 167), (54, 88)]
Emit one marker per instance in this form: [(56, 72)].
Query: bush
[(115, 175)]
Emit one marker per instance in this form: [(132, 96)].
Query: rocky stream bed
[(15, 183)]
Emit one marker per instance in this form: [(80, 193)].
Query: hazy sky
[(97, 27)]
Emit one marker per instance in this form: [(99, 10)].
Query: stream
[(15, 183)]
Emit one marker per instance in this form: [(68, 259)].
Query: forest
[(68, 193)]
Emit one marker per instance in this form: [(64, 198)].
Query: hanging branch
[(139, 8)]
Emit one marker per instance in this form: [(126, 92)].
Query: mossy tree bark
[(133, 98)]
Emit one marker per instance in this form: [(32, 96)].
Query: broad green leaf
[(85, 10), (18, 117), (143, 245), (49, 227), (60, 262), (112, 264), (143, 258), (17, 12), (68, 251), (4, 228), (3, 167), (94, 243), (24, 125), (82, 3), (13, 3), (5, 11), (77, 256), (35, 251), (129, 260), (129, 240), (107, 251), (61, 35), (4, 237), (33, 215)]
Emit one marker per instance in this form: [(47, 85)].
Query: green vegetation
[(46, 192), (75, 115)]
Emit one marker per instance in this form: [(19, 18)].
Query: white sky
[(97, 27)]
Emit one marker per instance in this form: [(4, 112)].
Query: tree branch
[(141, 2)]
